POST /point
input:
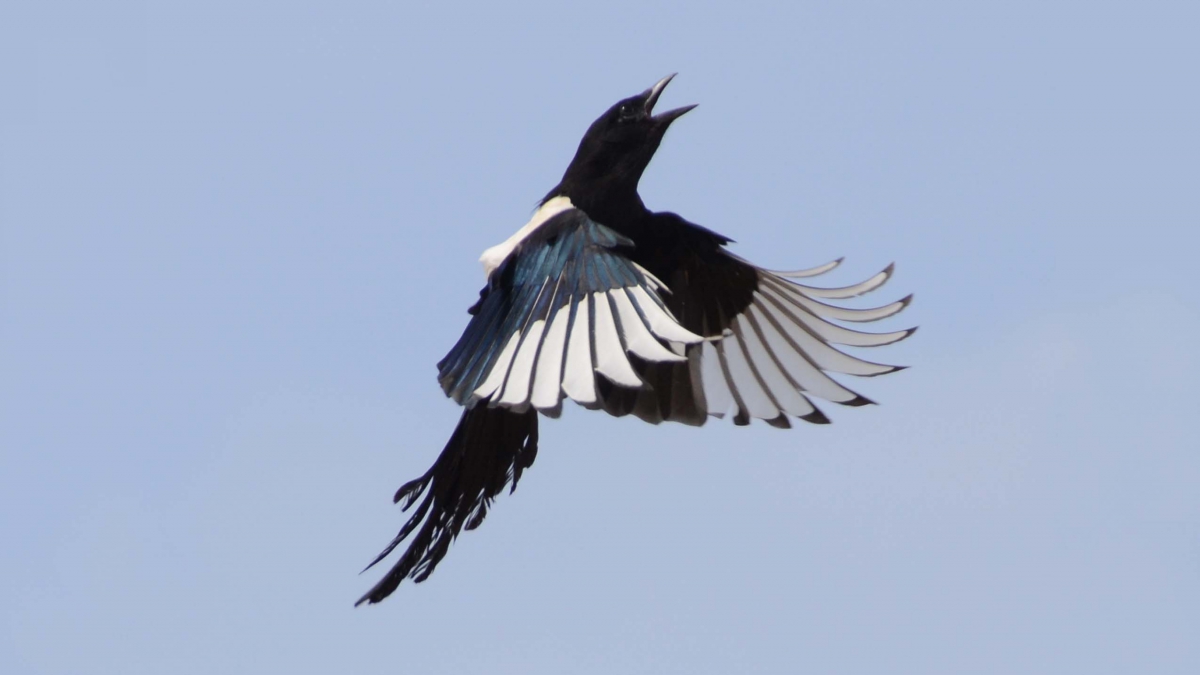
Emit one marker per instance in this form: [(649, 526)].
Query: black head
[(617, 147)]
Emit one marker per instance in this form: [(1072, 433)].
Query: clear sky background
[(235, 237)]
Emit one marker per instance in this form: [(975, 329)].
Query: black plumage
[(619, 308)]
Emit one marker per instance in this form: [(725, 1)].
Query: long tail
[(489, 449)]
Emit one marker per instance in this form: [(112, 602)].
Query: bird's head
[(618, 146)]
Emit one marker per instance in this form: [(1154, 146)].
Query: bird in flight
[(630, 311)]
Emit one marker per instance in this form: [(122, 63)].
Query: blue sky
[(235, 238)]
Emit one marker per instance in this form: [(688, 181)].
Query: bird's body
[(620, 308)]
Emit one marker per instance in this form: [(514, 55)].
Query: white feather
[(794, 363), (500, 369), (548, 375), (637, 339), (743, 382), (847, 291), (795, 295), (824, 356), (495, 255), (777, 384), (516, 385), (610, 355), (660, 320), (717, 398), (831, 332), (810, 272), (578, 380)]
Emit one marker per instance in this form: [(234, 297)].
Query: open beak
[(652, 95)]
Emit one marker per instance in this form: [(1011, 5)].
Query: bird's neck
[(608, 203)]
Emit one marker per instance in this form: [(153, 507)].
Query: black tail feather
[(489, 449)]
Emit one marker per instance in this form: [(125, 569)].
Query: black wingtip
[(780, 422), (741, 419), (815, 417), (858, 401)]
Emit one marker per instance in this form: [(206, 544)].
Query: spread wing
[(563, 315), (577, 310), (574, 309), (773, 342)]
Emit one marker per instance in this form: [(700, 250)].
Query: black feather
[(601, 238), (489, 450)]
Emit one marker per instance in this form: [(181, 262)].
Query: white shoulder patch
[(495, 255)]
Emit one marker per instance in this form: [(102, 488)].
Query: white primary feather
[(831, 332), (777, 384), (797, 274), (610, 355), (579, 382), (778, 350), (516, 385), (807, 376), (718, 398), (822, 309), (547, 380), (843, 292), (499, 370), (742, 382), (824, 356), (660, 320), (637, 338)]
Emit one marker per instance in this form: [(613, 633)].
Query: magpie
[(619, 308)]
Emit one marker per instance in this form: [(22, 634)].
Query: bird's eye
[(626, 112)]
